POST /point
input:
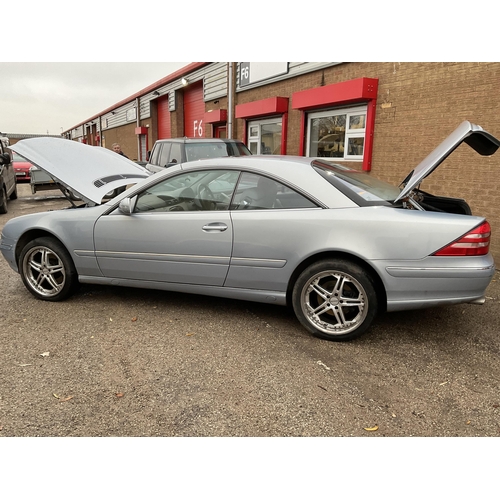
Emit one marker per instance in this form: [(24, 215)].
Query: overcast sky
[(44, 94), (40, 98)]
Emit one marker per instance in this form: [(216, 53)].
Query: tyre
[(335, 300), (13, 195), (47, 270), (3, 201)]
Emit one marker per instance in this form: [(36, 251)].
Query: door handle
[(214, 227)]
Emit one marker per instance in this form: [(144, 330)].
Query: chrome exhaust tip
[(480, 301)]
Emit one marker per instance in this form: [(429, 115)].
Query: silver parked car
[(335, 243)]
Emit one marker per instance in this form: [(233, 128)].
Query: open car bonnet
[(88, 171), (473, 135)]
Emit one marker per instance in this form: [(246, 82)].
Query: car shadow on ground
[(438, 325)]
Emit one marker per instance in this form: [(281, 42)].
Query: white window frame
[(349, 134), (258, 123)]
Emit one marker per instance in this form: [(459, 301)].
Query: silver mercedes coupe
[(335, 243)]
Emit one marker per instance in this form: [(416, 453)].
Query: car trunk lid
[(473, 135)]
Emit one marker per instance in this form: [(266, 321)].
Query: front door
[(179, 233)]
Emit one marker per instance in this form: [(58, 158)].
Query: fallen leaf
[(134, 318), (189, 334), (371, 429), (468, 422), (45, 354), (496, 406), (320, 363)]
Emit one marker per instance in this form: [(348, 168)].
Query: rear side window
[(360, 187), (258, 192), (239, 149)]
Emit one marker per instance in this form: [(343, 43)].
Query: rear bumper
[(436, 281)]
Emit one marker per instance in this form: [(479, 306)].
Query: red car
[(21, 167)]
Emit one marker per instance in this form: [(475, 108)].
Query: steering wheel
[(205, 199)]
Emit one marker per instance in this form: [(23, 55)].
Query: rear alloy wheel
[(47, 270), (335, 300), (13, 195)]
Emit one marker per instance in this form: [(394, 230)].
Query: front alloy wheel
[(47, 270), (335, 300)]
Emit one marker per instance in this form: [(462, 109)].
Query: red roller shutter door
[(164, 128), (194, 111)]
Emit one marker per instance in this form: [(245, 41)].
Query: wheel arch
[(30, 236), (379, 285)]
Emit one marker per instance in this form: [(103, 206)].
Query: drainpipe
[(230, 91), (138, 124)]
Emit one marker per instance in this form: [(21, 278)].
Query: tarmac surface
[(114, 361)]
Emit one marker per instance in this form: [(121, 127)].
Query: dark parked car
[(168, 152), (7, 176)]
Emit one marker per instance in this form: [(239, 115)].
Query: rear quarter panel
[(270, 245)]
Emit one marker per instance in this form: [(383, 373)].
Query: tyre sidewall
[(3, 201), (13, 195)]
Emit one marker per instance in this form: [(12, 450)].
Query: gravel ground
[(128, 362)]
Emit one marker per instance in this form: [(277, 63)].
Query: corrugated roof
[(170, 78)]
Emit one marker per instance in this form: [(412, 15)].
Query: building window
[(337, 133), (264, 136)]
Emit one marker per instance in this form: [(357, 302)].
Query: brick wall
[(418, 105), (125, 136)]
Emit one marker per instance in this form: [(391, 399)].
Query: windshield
[(367, 187), (200, 151)]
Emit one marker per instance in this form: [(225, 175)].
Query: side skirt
[(265, 296)]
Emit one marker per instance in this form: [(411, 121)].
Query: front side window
[(162, 158), (190, 191), (338, 133), (175, 153)]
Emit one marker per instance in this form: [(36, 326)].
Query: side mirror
[(4, 159), (127, 205)]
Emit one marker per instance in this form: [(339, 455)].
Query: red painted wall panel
[(194, 110), (164, 128)]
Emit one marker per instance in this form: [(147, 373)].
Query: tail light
[(475, 242)]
